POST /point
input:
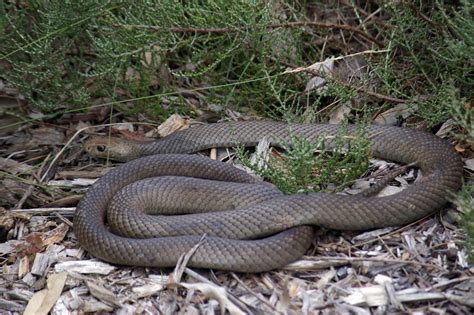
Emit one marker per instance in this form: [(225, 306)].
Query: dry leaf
[(337, 116), (131, 75), (368, 296), (149, 58), (392, 116), (325, 69), (459, 148), (14, 167)]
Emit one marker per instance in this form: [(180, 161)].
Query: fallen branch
[(43, 211)]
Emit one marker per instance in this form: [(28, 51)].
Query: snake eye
[(101, 148)]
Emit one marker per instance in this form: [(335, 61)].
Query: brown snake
[(255, 228)]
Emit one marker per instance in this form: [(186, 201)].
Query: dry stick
[(230, 295), (391, 254), (357, 259), (224, 30), (318, 64), (449, 282), (401, 229), (44, 211), (25, 196), (377, 95), (370, 16), (330, 26), (264, 301), (350, 86), (74, 136), (64, 219), (29, 190)]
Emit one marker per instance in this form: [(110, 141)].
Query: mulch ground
[(420, 267)]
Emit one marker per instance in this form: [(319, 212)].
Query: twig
[(43, 211), (64, 219), (329, 25), (77, 133), (381, 96), (231, 296), (183, 260), (264, 301), (403, 228), (29, 190), (310, 70), (357, 259), (25, 196), (224, 30), (449, 282), (318, 64)]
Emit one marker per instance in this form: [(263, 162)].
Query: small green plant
[(431, 46), (464, 200), (310, 166)]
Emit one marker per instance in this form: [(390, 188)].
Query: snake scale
[(255, 227)]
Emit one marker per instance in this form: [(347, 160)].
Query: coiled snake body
[(255, 228)]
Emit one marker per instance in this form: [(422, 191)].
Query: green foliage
[(64, 53), (40, 45), (464, 200), (56, 48), (310, 166), (430, 60)]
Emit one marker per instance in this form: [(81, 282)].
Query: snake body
[(255, 228)]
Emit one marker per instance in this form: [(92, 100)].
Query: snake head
[(116, 149)]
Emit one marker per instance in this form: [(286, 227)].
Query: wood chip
[(23, 266), (174, 123), (102, 293), (40, 265), (469, 165), (10, 306), (147, 290), (368, 296), (94, 306), (372, 234), (42, 301), (76, 182), (56, 235), (307, 265), (325, 278), (217, 293), (85, 267), (29, 279)]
